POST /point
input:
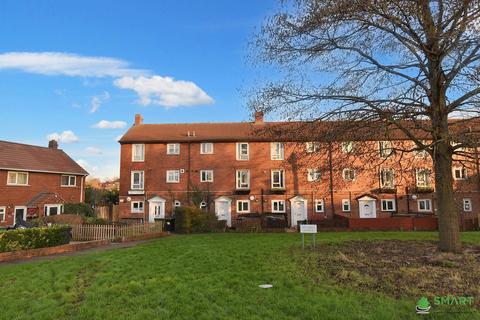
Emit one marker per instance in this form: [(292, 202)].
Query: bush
[(65, 219), (23, 239), (192, 219), (95, 220), (80, 209)]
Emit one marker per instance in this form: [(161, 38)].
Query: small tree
[(401, 65)]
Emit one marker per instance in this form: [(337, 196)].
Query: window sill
[(68, 186), (136, 192), (18, 185)]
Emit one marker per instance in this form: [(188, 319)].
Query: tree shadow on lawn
[(400, 269)]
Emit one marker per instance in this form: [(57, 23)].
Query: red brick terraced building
[(233, 170), (36, 181)]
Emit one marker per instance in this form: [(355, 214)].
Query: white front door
[(223, 210), (367, 209), (156, 211), (298, 210)]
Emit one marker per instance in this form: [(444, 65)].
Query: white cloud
[(105, 172), (117, 138), (67, 64), (66, 136), (93, 151), (105, 124), (97, 101), (165, 91)]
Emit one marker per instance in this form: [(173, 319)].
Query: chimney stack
[(138, 119), (53, 144), (259, 117)]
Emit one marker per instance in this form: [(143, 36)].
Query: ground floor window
[(346, 205), (424, 205), (137, 206), (53, 209), (3, 211), (319, 205), (243, 206), (467, 204), (388, 205), (278, 206)]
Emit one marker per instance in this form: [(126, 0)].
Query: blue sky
[(79, 70)]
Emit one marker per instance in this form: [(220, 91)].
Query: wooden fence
[(89, 232)]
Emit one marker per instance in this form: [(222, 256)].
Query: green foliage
[(22, 239), (95, 220), (193, 220), (101, 197), (80, 209)]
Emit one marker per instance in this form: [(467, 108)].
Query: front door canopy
[(366, 198), (156, 199)]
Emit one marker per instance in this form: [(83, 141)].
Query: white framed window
[(278, 206), (385, 148), (421, 153), (173, 148), (424, 205), (243, 206), (460, 173), (137, 206), (137, 180), (388, 204), (278, 179), (319, 207), (243, 179), (346, 205), (313, 175), (206, 175), (173, 176), (138, 152), (387, 178), (347, 146), (243, 152), (3, 213), (53, 209), (68, 181), (177, 204), (206, 148), (312, 146), (277, 151), (348, 174), (467, 204), (422, 178), (16, 178)]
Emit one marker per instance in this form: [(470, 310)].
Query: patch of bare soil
[(402, 268)]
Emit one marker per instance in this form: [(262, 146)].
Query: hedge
[(23, 239), (80, 209), (192, 220)]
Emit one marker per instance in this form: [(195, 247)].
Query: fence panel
[(89, 232)]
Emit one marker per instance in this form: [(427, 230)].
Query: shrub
[(80, 209), (23, 239), (65, 219), (192, 219), (95, 220)]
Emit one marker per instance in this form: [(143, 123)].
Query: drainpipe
[(408, 200), (261, 200), (330, 167), (188, 174)]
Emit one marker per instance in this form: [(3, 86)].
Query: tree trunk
[(448, 226)]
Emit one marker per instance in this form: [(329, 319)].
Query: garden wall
[(395, 223)]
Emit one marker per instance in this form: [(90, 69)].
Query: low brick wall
[(139, 237), (72, 247), (395, 223)]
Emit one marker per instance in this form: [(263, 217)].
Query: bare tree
[(408, 66)]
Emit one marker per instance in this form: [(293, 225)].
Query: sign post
[(308, 228)]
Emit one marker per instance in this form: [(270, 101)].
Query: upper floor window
[(206, 175), (278, 179), (278, 206), (243, 179), (138, 152), (137, 180), (347, 146), (460, 173), (348, 174), (319, 205), (421, 153), (17, 178), (423, 178), (243, 206), (3, 211), (173, 148), (312, 147), (69, 181), (206, 148), (387, 178), (313, 174), (173, 176), (385, 148), (242, 151), (277, 151)]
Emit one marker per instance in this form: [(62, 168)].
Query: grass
[(209, 276)]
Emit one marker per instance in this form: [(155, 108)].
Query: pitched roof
[(18, 156)]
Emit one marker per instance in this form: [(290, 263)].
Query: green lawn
[(211, 276)]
